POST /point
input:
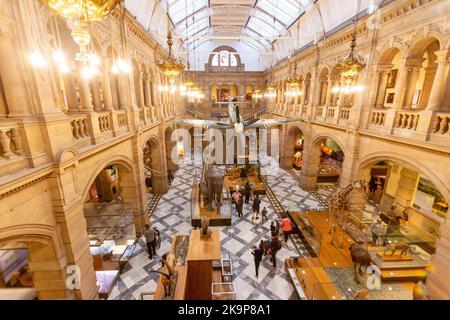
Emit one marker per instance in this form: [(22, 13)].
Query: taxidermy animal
[(167, 275), (394, 246), (360, 257), (214, 182)]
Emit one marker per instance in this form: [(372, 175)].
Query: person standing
[(256, 207), (150, 238), (247, 191), (275, 245), (264, 214), (240, 206), (286, 227), (257, 256)]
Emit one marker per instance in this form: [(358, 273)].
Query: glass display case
[(112, 234), (223, 291), (311, 234)]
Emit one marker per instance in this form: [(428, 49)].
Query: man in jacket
[(275, 245), (150, 238)]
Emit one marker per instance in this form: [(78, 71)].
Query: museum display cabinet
[(218, 216), (179, 251), (303, 225)]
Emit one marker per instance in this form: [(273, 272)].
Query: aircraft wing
[(266, 123), (205, 123)]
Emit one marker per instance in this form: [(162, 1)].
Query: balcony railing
[(377, 117), (80, 127)]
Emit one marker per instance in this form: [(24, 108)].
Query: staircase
[(151, 206)]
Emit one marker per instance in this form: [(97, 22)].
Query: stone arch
[(415, 163), (121, 160), (224, 48), (322, 136), (44, 248), (154, 169), (293, 146)]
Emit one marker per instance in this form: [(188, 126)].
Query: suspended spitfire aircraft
[(235, 121)]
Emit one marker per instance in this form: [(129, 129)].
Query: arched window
[(224, 57)]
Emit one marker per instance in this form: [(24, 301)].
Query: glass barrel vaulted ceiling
[(251, 26)]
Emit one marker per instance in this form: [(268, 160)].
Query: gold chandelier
[(171, 67), (80, 13), (257, 93), (354, 64), (293, 82), (271, 88)]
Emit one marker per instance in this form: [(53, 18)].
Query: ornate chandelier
[(293, 84), (171, 67), (354, 64), (79, 13), (271, 89), (257, 93)]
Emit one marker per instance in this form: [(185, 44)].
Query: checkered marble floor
[(172, 216)]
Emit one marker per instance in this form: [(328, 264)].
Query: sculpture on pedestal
[(205, 232)]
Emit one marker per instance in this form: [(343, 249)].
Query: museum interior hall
[(224, 149)]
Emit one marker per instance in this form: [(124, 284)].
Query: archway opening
[(331, 158), (295, 147), (407, 202), (112, 224)]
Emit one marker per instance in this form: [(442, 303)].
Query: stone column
[(342, 94), (71, 94), (96, 95), (438, 282), (83, 87), (440, 83), (14, 84), (329, 93), (310, 165), (401, 86), (106, 88), (140, 97), (406, 186), (382, 89), (412, 80), (374, 88)]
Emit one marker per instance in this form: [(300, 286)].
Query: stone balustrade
[(441, 124), (331, 112), (80, 127), (104, 123), (122, 119), (407, 120), (377, 117), (10, 142), (344, 114)]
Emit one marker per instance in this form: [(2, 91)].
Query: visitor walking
[(373, 182), (150, 238), (275, 245), (257, 256), (170, 177), (286, 227)]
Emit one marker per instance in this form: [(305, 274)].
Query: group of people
[(246, 196), (269, 248)]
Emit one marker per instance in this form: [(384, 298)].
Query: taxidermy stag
[(360, 257)]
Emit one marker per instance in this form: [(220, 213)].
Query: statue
[(394, 246), (205, 232), (360, 257), (214, 182)]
